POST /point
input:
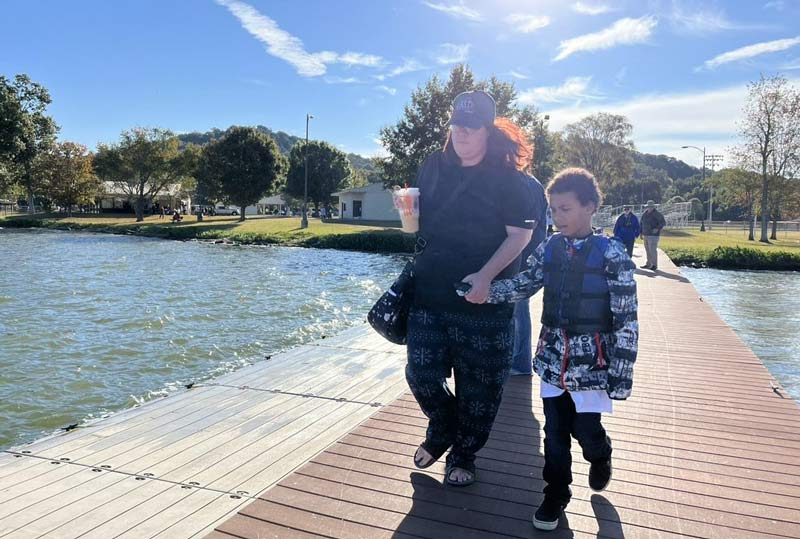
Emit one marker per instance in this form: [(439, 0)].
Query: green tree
[(770, 130), (601, 144), (144, 162), (423, 127), (328, 171), (240, 167), (70, 177), (26, 132), (740, 186)]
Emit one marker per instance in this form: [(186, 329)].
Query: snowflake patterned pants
[(478, 351)]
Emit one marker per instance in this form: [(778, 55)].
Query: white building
[(371, 202), (115, 197)]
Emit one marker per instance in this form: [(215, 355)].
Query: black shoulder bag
[(389, 315)]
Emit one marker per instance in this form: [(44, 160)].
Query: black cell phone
[(462, 289)]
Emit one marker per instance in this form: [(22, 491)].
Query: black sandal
[(435, 453), (469, 468)]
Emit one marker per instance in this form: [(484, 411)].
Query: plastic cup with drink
[(406, 200)]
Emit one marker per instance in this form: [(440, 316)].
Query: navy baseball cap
[(473, 109)]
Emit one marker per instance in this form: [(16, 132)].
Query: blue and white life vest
[(576, 295)]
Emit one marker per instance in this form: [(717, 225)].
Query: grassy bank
[(731, 250), (260, 230), (717, 249)]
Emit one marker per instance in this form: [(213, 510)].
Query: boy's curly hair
[(579, 181)]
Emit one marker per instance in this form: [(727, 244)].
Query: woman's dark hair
[(506, 147), (579, 181)]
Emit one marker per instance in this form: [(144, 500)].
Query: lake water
[(93, 323), (763, 307)]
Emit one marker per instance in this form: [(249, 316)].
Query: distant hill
[(674, 168), (285, 142)]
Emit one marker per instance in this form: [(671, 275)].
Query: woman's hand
[(479, 292)]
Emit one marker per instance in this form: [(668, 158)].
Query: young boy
[(588, 341)]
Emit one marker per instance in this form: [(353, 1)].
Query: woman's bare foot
[(423, 459)]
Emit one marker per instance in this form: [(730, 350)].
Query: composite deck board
[(708, 446)]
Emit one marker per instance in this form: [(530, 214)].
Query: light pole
[(704, 179), (713, 159), (304, 218)]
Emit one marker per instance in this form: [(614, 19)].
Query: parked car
[(221, 209)]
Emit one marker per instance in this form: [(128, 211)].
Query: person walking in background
[(474, 213), (652, 224), (627, 229), (522, 359)]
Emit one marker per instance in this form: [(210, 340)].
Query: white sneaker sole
[(545, 526)]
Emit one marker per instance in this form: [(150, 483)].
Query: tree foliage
[(26, 132), (145, 162), (600, 143), (70, 178), (328, 171), (770, 129), (240, 167), (423, 127)]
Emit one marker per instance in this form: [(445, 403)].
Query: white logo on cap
[(466, 105)]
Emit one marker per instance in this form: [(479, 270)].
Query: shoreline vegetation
[(723, 250)]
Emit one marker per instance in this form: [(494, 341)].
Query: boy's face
[(573, 219)]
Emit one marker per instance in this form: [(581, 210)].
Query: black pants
[(561, 422), (478, 350), (629, 246)]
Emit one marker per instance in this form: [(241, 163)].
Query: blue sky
[(677, 68)]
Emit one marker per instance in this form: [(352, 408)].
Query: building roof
[(369, 188)]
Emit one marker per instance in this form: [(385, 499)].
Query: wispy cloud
[(791, 65), (344, 80), (289, 48), (574, 89), (388, 89), (702, 21), (775, 4), (350, 59), (526, 24), (623, 32), (518, 75), (408, 66), (662, 123), (751, 51), (458, 11), (590, 9), (450, 53)]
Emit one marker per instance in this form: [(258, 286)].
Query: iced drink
[(406, 200)]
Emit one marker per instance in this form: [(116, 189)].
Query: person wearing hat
[(475, 220), (652, 224), (626, 229)]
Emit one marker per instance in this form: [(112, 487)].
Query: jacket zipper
[(565, 360), (601, 362)]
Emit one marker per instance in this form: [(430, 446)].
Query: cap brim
[(465, 120)]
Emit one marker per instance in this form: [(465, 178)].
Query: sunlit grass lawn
[(719, 237), (221, 226)]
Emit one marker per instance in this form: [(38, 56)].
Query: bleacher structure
[(676, 214)]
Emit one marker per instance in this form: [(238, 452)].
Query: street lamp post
[(304, 218), (704, 178)]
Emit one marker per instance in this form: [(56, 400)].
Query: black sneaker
[(600, 475), (546, 517)]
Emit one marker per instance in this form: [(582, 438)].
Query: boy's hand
[(479, 292)]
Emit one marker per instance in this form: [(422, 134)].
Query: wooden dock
[(317, 442)]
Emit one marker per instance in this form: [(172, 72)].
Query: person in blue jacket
[(627, 229)]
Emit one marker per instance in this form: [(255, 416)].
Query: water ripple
[(93, 324)]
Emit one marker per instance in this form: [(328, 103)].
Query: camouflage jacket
[(584, 362)]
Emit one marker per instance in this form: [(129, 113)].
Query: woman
[(473, 211)]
